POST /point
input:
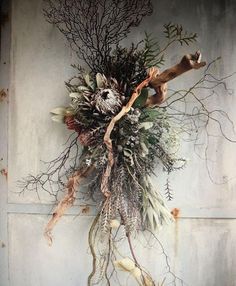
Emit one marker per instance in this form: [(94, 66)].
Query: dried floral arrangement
[(121, 117)]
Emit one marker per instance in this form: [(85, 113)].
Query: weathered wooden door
[(35, 62)]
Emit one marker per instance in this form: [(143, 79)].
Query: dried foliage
[(123, 137), (176, 33), (94, 27), (168, 190)]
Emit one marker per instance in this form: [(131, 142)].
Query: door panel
[(200, 245)]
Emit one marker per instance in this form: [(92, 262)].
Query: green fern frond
[(151, 54)]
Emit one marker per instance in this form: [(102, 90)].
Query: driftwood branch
[(159, 83), (107, 136), (67, 201)]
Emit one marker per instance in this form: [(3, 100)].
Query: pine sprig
[(176, 33), (168, 190), (151, 52)]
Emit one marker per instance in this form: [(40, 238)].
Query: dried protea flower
[(108, 101), (93, 103), (102, 96)]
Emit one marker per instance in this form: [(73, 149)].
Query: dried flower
[(125, 264), (114, 223)]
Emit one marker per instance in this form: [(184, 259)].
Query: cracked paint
[(175, 212), (4, 172), (3, 95), (85, 209)]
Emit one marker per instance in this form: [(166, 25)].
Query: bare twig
[(93, 27), (91, 246)]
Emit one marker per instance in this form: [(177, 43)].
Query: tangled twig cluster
[(93, 27)]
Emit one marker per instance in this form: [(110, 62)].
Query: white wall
[(201, 244)]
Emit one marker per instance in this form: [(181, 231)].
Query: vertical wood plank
[(4, 94)]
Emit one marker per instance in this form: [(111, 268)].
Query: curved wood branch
[(67, 201), (107, 137), (91, 246), (159, 83)]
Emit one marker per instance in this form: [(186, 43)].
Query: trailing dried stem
[(91, 246)]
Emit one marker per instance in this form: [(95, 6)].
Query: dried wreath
[(124, 129)]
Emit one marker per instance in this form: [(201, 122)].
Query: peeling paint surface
[(4, 172), (176, 213), (3, 95), (2, 244), (85, 210)]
